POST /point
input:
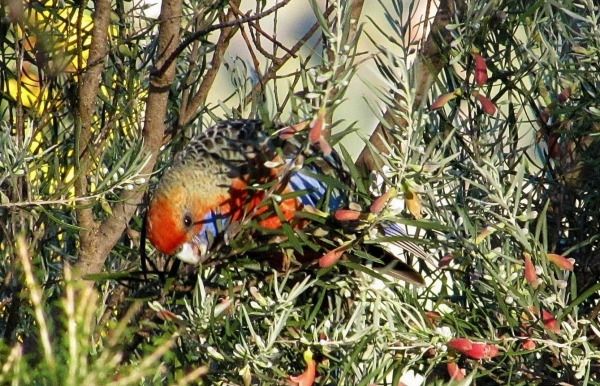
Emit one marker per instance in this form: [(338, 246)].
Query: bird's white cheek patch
[(192, 253), (188, 254)]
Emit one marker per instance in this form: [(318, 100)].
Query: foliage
[(495, 159)]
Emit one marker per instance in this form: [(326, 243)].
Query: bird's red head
[(177, 213), (165, 227)]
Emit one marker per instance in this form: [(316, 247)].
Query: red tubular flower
[(560, 261), (486, 105), (290, 131), (528, 344), (473, 350), (480, 70), (548, 319), (442, 100), (307, 378), (378, 205), (455, 372), (482, 351), (550, 322), (433, 317), (530, 274), (331, 257), (347, 215), (315, 135), (166, 315), (445, 261), (460, 344), (316, 129)]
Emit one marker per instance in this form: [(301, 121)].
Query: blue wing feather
[(394, 230)]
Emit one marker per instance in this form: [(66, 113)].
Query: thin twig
[(196, 35), (255, 61), (210, 75), (258, 28), (278, 63)]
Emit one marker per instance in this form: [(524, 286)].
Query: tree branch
[(104, 236), (88, 90), (211, 74)]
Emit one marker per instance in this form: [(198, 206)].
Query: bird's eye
[(187, 221)]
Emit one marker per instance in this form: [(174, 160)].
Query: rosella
[(230, 173)]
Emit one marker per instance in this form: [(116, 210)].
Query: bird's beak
[(193, 253)]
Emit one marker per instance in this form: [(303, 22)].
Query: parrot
[(229, 172)]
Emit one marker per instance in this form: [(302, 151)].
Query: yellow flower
[(62, 35), (31, 94)]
